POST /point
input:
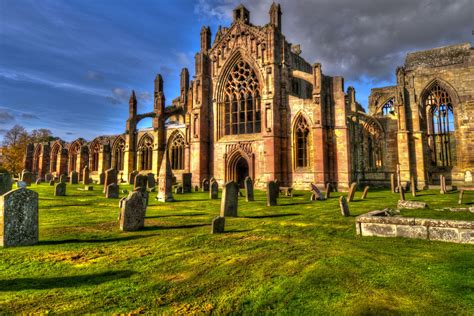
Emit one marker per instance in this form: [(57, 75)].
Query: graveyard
[(297, 257)]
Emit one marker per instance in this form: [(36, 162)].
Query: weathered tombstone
[(411, 204), (110, 177), (402, 193), (392, 182), (165, 180), (102, 178), (328, 191), (63, 178), (352, 191), (278, 187), (27, 177), (140, 182), (344, 206), (178, 189), (468, 177), (249, 189), (131, 177), (60, 189), (272, 193), (442, 182), (73, 177), (413, 186), (112, 191), (461, 195), (214, 191), (205, 185), (51, 183), (38, 181), (230, 199), (48, 177), (151, 182), (186, 182), (5, 183), (133, 209), (399, 176), (364, 194), (85, 175), (19, 218), (21, 184), (218, 225), (316, 193)]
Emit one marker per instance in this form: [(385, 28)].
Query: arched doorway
[(241, 171)]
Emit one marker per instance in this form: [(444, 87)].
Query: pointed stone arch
[(118, 153), (302, 138), (176, 150), (145, 152)]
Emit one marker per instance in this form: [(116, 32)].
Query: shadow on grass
[(298, 203), (177, 215), (91, 241), (191, 200), (272, 215), (174, 227), (20, 284), (234, 231)]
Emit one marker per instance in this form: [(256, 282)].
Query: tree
[(41, 135), (14, 148)]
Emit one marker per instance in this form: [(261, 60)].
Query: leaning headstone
[(27, 177), (48, 177), (131, 177), (230, 199), (63, 178), (413, 186), (328, 191), (110, 177), (402, 193), (85, 175), (186, 182), (364, 194), (392, 182), (214, 191), (102, 178), (410, 204), (112, 191), (352, 191), (316, 193), (205, 185), (344, 206), (249, 189), (60, 189), (51, 183), (218, 225), (165, 180), (19, 218), (151, 182), (272, 193), (21, 184), (73, 178), (133, 209), (5, 183), (38, 181), (141, 181)]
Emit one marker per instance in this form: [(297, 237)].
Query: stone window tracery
[(73, 152), (95, 156), (301, 143), (119, 154), (176, 152), (145, 151), (54, 158), (242, 101)]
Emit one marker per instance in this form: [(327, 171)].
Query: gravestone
[(442, 182), (102, 178), (196, 188), (214, 191), (364, 193), (140, 182), (178, 189), (328, 191), (51, 183), (316, 193), (399, 176), (88, 188), (411, 204), (19, 218), (278, 187), (85, 175), (38, 181), (186, 182), (110, 177), (63, 178), (112, 191), (468, 177), (131, 177), (392, 182), (413, 186), (352, 191), (133, 209), (230, 199), (21, 185), (272, 193), (27, 177), (151, 182), (402, 193), (60, 189), (249, 189), (48, 177), (205, 185), (344, 206), (165, 180), (218, 225), (5, 183), (73, 177)]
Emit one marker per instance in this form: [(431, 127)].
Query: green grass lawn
[(300, 257)]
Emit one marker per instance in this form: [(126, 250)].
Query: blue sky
[(70, 65)]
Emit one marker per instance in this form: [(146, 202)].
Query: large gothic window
[(301, 143), (54, 158), (388, 107), (145, 151), (73, 152), (119, 154), (95, 156), (440, 127), (242, 101), (176, 152)]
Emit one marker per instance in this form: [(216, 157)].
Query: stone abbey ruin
[(256, 108)]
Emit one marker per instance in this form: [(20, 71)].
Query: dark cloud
[(361, 39), (69, 133), (6, 117), (29, 116)]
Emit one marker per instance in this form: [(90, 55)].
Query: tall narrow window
[(95, 156), (440, 127), (36, 158), (176, 152), (119, 154), (145, 150), (54, 158), (73, 152), (388, 107), (301, 143), (241, 101)]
